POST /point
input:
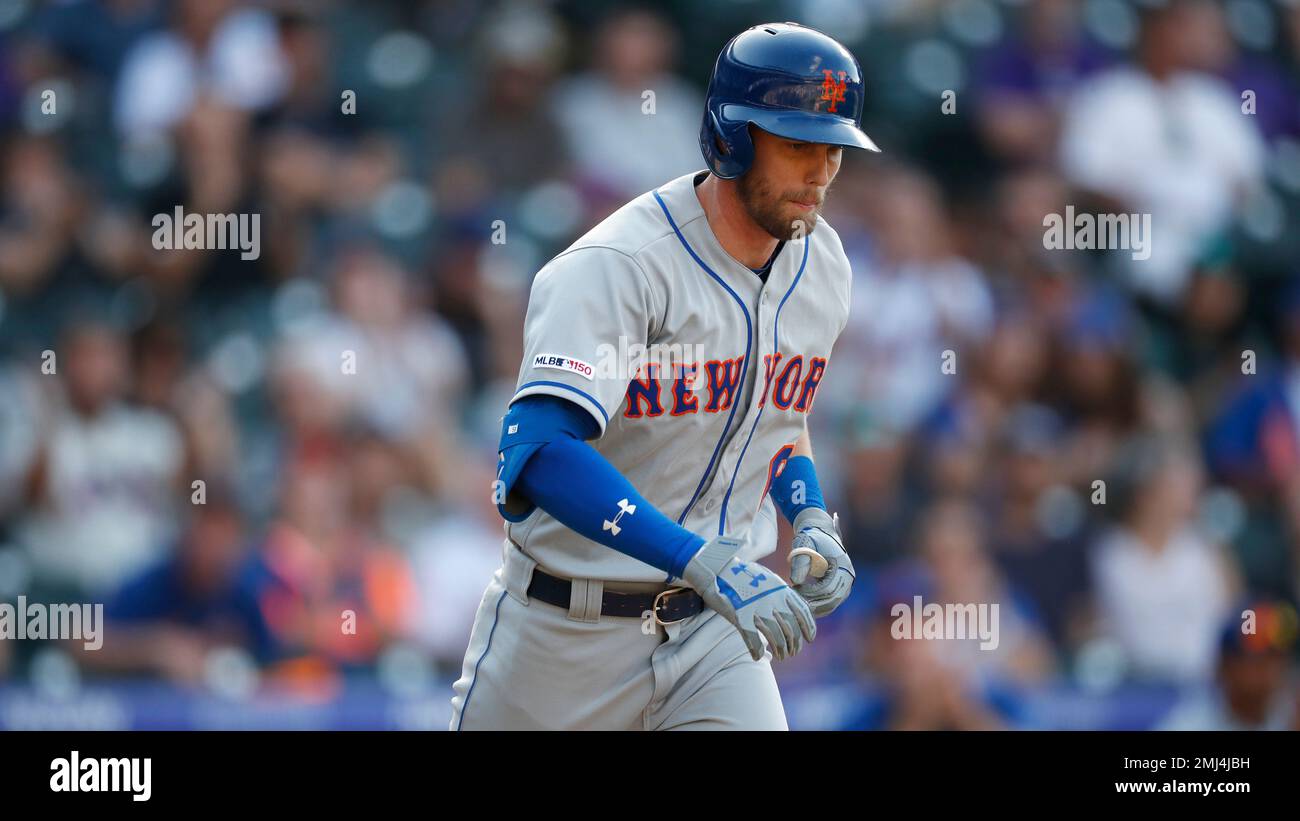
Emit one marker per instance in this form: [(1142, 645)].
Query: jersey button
[(710, 505)]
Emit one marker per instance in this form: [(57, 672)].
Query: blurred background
[(1116, 460)]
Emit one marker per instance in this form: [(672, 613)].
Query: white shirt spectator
[(163, 75), (1165, 606), (1182, 151), (612, 142), (452, 562), (404, 376), (111, 490)]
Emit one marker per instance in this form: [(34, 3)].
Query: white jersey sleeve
[(583, 305)]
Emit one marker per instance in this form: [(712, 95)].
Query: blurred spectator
[(949, 683), (448, 560), (921, 692), (959, 571), (1096, 383), (159, 356), (1274, 97), (383, 363), (310, 102), (877, 514), (618, 146), (1162, 137), (213, 140), (1037, 534), (38, 204), (1254, 445), (1025, 79), (1255, 440), (1163, 589), (1006, 370), (921, 297), (339, 593), (223, 48), (1023, 271), (510, 139), (1253, 690), (1196, 348), (104, 482), (166, 620)]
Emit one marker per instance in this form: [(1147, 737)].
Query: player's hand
[(754, 599), (815, 529)]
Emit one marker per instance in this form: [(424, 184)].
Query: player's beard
[(772, 213)]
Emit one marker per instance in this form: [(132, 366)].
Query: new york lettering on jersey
[(647, 396)]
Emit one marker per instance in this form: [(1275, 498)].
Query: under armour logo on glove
[(623, 507), (753, 580)]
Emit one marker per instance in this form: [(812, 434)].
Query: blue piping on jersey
[(583, 394), (749, 338), (776, 344)]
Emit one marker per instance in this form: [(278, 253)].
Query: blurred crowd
[(283, 465)]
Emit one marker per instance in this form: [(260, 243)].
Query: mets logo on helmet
[(833, 90)]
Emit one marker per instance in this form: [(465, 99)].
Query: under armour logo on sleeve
[(623, 507)]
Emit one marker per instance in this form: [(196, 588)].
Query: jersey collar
[(680, 198)]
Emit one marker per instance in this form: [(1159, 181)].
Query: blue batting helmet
[(788, 80)]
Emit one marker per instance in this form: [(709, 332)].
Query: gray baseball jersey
[(699, 373)]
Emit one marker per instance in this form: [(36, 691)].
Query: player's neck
[(738, 234)]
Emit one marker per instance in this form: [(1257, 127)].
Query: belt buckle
[(657, 605)]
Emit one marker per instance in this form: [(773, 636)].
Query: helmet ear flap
[(728, 149)]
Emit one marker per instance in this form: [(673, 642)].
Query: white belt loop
[(518, 571), (585, 599)]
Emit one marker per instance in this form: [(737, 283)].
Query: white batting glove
[(815, 528)]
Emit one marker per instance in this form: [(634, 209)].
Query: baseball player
[(639, 495)]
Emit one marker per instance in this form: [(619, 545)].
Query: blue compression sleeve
[(530, 424), (792, 498), (578, 486)]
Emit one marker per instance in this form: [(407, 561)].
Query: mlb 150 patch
[(564, 363)]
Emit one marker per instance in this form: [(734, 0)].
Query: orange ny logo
[(832, 90)]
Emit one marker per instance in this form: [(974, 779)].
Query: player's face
[(785, 188)]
